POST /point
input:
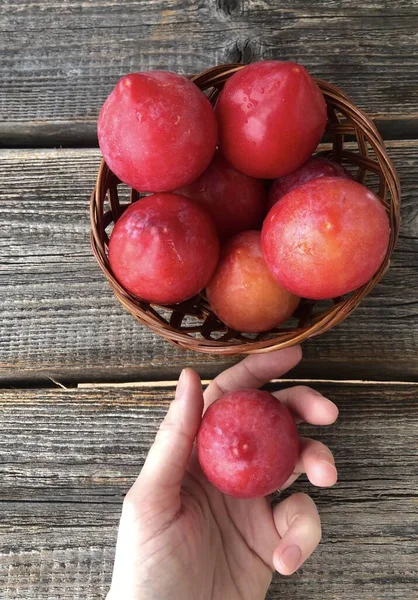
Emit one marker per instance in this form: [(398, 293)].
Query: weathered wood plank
[(59, 60), (67, 458), (60, 320)]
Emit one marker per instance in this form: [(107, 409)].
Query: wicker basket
[(355, 142)]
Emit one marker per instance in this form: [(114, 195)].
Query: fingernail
[(323, 398), (290, 557), (327, 458), (298, 348), (316, 393), (330, 402), (182, 382)]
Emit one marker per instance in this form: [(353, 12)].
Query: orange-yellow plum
[(242, 292)]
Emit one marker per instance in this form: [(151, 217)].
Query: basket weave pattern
[(192, 325)]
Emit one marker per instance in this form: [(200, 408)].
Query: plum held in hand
[(235, 201), (243, 293), (271, 117), (314, 168), (325, 238), (164, 249), (157, 131), (247, 444)]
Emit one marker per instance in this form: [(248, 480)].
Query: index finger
[(252, 372)]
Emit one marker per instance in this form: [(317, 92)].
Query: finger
[(317, 461), (253, 372), (298, 524), (168, 457), (308, 405)]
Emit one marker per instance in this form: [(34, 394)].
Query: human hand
[(180, 537)]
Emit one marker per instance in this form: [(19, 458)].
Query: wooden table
[(69, 453)]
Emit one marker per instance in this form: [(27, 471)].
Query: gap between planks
[(173, 383), (46, 135)]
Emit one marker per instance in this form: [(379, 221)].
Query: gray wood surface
[(68, 457), (59, 60), (60, 320)]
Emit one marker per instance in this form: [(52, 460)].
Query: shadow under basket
[(353, 142)]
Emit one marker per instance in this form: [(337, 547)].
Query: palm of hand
[(217, 545)]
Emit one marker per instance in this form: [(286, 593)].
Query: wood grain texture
[(60, 320), (59, 60), (68, 457)]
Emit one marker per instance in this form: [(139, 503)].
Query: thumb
[(169, 455)]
